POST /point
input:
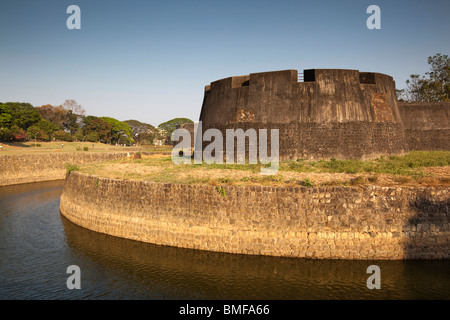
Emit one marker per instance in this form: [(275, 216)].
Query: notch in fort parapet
[(308, 75)]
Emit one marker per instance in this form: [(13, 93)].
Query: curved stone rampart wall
[(365, 222)]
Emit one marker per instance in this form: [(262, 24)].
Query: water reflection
[(37, 244), (176, 273)]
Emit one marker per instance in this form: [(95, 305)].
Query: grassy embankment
[(30, 147), (415, 168)]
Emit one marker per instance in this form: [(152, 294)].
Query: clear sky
[(150, 60)]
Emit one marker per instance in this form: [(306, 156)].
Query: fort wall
[(364, 222), (333, 113), (16, 169), (427, 125)]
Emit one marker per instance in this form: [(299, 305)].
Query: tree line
[(67, 122), (434, 86)]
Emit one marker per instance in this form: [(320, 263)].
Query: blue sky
[(150, 60)]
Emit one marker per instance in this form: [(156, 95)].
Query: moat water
[(37, 244)]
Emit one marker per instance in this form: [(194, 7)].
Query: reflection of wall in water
[(364, 222), (200, 274)]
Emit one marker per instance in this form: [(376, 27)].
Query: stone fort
[(326, 113)]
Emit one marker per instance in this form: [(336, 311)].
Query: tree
[(18, 133), (119, 129), (72, 105), (401, 94), (47, 126), (62, 135), (147, 137), (439, 77), (96, 125), (6, 120), (170, 126), (415, 89), (143, 133), (92, 137), (23, 115), (34, 132), (15, 119), (67, 116), (5, 134), (70, 122), (434, 87), (56, 115)]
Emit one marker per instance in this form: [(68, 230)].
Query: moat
[(37, 244)]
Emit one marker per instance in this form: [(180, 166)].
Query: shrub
[(221, 191), (85, 148), (272, 178), (62, 136), (5, 134), (306, 183), (357, 181), (18, 133), (67, 137), (71, 167), (137, 155), (225, 180)]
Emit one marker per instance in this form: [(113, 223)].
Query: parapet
[(316, 95)]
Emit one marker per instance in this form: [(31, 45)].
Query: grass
[(417, 167), (404, 165), (30, 147), (71, 167), (221, 191)]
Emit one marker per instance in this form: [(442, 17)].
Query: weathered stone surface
[(254, 220), (18, 169), (333, 113), (427, 125)]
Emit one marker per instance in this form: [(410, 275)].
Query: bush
[(137, 155), (221, 191), (92, 137), (272, 178), (18, 133), (306, 183), (34, 132), (249, 179), (85, 148), (59, 135), (5, 134), (357, 181), (225, 180), (71, 167), (67, 137)]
